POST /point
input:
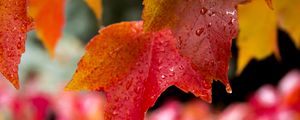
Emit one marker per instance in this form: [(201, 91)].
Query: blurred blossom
[(83, 106), (268, 103), (265, 102), (170, 111), (195, 110), (238, 111), (289, 87)]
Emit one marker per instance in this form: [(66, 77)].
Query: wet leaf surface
[(14, 26), (133, 68)]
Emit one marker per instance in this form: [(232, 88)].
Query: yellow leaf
[(288, 12), (96, 6), (257, 37), (258, 26)]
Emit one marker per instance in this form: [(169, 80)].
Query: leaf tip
[(51, 53), (70, 87), (16, 85), (67, 89), (228, 88), (96, 7)]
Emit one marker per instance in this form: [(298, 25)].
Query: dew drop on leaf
[(228, 89), (140, 71), (209, 24), (19, 45), (211, 13), (171, 74), (199, 31), (203, 11), (181, 67), (231, 21), (163, 76), (152, 97), (114, 112)]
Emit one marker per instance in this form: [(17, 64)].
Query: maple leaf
[(49, 21), (260, 40), (14, 24), (203, 29), (288, 17), (133, 68), (96, 6), (257, 40)]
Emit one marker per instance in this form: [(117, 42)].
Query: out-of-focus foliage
[(96, 6), (49, 19), (258, 28)]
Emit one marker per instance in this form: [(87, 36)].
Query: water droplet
[(140, 71), (14, 69), (119, 82), (129, 83), (192, 90), (160, 68), (211, 13), (10, 54), (126, 98), (230, 12), (171, 69), (138, 64), (231, 21), (199, 31), (114, 112), (163, 76), (137, 89), (117, 99), (203, 10), (209, 24), (181, 67), (152, 97), (228, 88), (171, 74), (162, 49), (160, 61)]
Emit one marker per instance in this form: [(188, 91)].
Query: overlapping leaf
[(203, 29), (134, 68), (258, 28), (49, 21), (14, 25), (96, 6), (259, 40), (288, 18)]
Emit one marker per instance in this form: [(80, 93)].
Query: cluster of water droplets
[(211, 14)]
